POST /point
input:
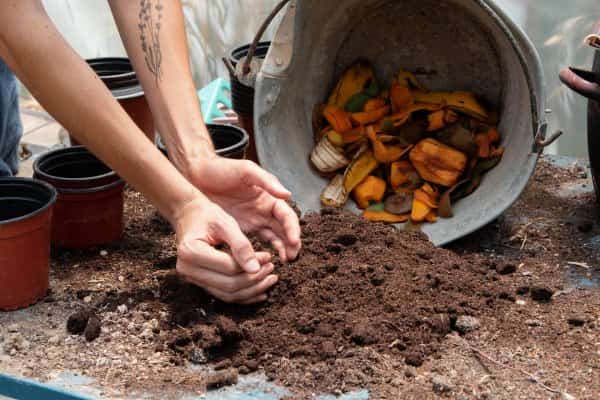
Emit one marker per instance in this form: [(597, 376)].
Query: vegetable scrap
[(401, 152)]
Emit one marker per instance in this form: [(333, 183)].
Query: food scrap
[(402, 153)]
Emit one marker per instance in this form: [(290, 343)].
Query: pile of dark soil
[(358, 290), (361, 308)]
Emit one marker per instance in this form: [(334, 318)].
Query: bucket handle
[(246, 66), (541, 141), (261, 31), (586, 83)]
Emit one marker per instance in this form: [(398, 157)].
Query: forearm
[(69, 90), (153, 32)]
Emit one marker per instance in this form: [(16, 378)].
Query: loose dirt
[(363, 306), (355, 285)]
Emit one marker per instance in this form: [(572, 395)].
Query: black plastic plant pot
[(89, 210), (242, 96), (230, 141), (26, 207)]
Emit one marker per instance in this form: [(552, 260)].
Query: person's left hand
[(254, 197)]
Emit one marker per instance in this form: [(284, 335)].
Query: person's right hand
[(239, 276)]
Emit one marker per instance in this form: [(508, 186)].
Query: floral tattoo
[(149, 25)]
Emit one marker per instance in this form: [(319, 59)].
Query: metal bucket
[(451, 44)]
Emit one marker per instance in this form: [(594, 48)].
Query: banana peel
[(464, 102), (384, 216), (354, 80), (326, 157), (334, 194), (363, 164)]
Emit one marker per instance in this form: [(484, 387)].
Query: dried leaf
[(445, 208), (474, 178), (411, 133), (460, 138)]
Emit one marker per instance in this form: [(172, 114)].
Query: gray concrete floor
[(41, 133)]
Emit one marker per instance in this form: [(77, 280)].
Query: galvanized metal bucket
[(451, 44)]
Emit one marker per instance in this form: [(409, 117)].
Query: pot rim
[(244, 140), (94, 189), (73, 149), (29, 182), (93, 62), (238, 52), (120, 93)]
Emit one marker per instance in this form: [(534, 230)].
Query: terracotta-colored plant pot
[(89, 210), (119, 77), (25, 218), (242, 96), (230, 141)]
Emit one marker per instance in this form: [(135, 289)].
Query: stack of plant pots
[(120, 78)]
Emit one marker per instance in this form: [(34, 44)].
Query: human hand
[(253, 197), (240, 277)]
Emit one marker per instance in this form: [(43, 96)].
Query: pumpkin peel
[(370, 189), (384, 216)]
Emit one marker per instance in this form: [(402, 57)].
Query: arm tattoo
[(149, 25)]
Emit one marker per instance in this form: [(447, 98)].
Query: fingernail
[(253, 266), (270, 267), (273, 279)]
